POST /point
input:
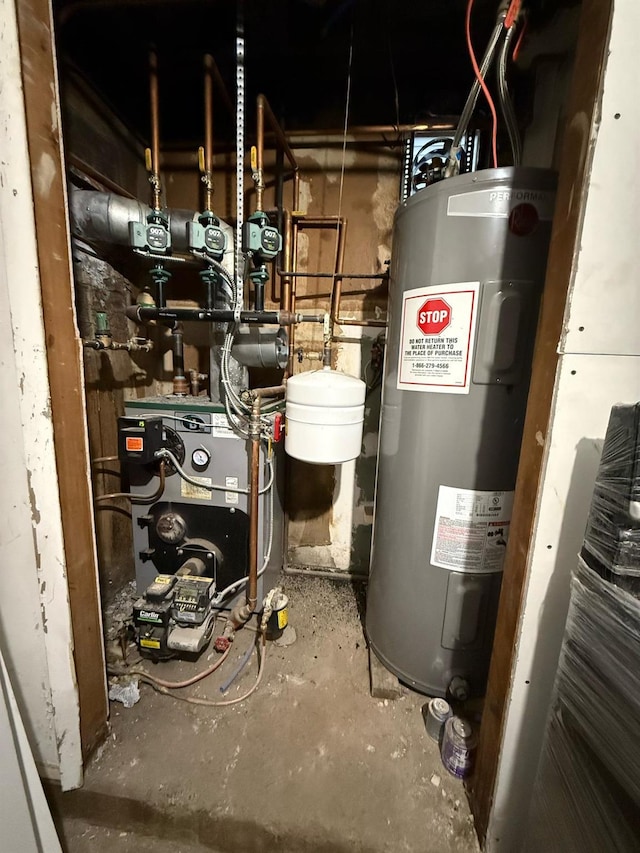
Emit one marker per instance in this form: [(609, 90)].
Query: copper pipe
[(337, 296), (254, 500), (376, 324), (278, 132), (137, 498), (315, 221), (269, 391), (272, 182), (178, 685), (100, 459), (254, 489), (294, 260), (296, 190), (264, 111), (155, 131), (353, 276), (195, 379), (292, 290), (285, 293), (222, 88), (336, 289), (444, 123), (258, 176), (207, 177), (208, 113), (340, 223), (298, 221), (252, 587)]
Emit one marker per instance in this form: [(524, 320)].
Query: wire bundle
[(167, 688), (504, 30)]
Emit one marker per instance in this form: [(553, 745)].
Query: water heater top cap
[(326, 388)]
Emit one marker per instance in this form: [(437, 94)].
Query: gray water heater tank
[(468, 266)]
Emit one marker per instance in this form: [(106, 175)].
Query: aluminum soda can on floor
[(436, 712), (458, 746), (279, 618)]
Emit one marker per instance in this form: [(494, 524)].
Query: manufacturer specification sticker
[(231, 497), (220, 426), (190, 490), (437, 337), (471, 530)]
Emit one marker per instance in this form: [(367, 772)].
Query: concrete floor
[(309, 763)]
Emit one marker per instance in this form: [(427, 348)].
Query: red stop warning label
[(437, 338), (434, 316)]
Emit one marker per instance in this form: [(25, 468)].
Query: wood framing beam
[(64, 359), (575, 165)]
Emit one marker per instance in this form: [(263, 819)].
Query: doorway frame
[(64, 360), (575, 166), (64, 356)]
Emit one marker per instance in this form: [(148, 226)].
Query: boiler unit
[(202, 472), (191, 533), (469, 259)]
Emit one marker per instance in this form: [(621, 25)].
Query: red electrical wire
[(512, 13), (484, 87), (518, 45)]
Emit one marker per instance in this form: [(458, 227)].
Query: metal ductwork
[(106, 216)]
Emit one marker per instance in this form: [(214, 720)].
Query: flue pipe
[(180, 384), (105, 217)]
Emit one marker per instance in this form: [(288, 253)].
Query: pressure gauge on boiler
[(200, 459)]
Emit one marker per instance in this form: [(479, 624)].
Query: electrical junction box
[(139, 439)]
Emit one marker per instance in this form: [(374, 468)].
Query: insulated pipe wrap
[(106, 216)]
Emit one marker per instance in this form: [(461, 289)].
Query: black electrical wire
[(504, 98)]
